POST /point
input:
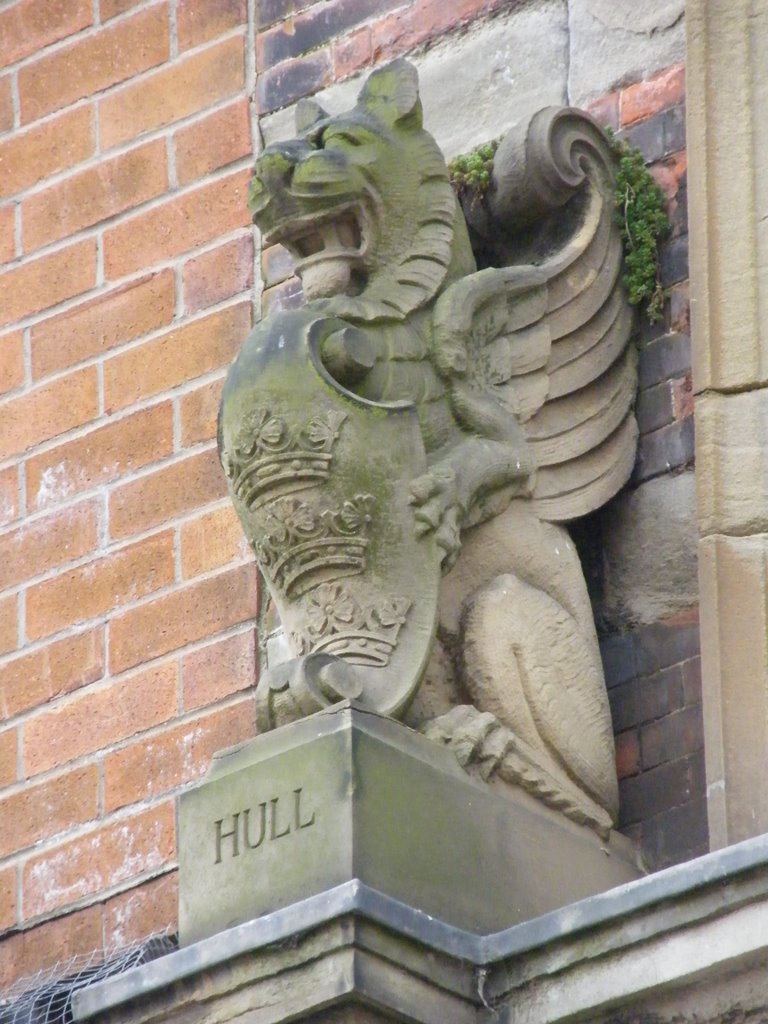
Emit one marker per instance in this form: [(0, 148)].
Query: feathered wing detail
[(548, 345), (584, 436), (488, 329)]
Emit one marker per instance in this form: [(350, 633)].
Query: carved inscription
[(251, 827)]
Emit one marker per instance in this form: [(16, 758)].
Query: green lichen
[(643, 223), (471, 172)]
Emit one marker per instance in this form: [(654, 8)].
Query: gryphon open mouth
[(342, 234), (328, 250)]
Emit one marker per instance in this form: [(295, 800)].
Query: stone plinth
[(687, 944), (347, 795)]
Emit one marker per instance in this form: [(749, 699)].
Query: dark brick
[(648, 137), (270, 11), (289, 81), (647, 650), (619, 655), (671, 447), (654, 791), (635, 833), (673, 128), (319, 25), (667, 357), (650, 332), (673, 263), (288, 295), (698, 773), (647, 698), (627, 754), (691, 672), (654, 408), (672, 737), (678, 213), (663, 644), (276, 265), (676, 835)]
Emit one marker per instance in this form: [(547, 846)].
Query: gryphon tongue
[(326, 277), (328, 272)]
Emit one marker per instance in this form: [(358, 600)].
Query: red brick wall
[(127, 595)]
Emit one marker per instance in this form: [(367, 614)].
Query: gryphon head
[(361, 199)]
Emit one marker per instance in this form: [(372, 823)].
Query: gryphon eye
[(346, 138)]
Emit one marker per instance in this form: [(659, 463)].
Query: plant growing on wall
[(472, 171), (643, 223), (640, 214)]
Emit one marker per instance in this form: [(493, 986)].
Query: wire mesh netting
[(46, 997)]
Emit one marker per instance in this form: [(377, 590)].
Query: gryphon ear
[(392, 93), (308, 113)]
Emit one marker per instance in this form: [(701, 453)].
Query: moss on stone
[(643, 223), (472, 171)]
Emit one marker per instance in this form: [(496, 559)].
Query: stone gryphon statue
[(419, 418)]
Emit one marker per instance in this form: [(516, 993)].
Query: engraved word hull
[(320, 480)]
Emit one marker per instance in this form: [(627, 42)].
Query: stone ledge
[(351, 945)]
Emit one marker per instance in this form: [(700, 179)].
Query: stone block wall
[(129, 277)]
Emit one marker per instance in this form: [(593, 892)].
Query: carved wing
[(546, 339)]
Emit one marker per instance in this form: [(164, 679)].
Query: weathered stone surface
[(343, 970), (523, 56), (689, 974), (648, 18), (349, 795), (728, 152), (732, 462), (734, 651), (650, 541), (687, 944), (616, 41)]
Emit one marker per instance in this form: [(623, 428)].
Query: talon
[(422, 489), (448, 537), (429, 515), (439, 510)]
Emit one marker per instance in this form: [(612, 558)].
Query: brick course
[(33, 286), (126, 266), (95, 62), (654, 687), (94, 327)]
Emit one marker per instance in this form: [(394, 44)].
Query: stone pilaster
[(728, 151)]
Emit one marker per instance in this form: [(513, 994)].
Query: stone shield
[(320, 480)]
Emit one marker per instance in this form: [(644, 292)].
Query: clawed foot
[(435, 496), (477, 738)]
